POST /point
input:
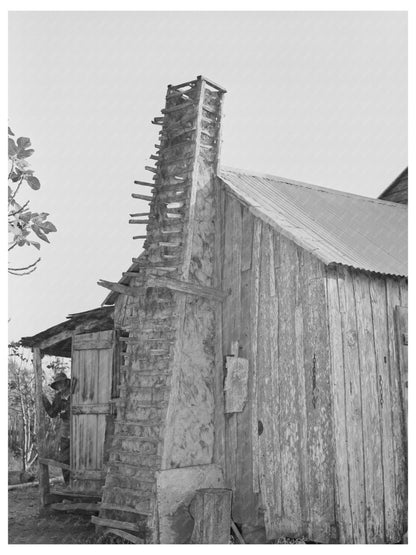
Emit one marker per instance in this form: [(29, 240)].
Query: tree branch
[(13, 270), (20, 209)]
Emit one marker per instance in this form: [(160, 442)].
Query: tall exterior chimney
[(165, 415)]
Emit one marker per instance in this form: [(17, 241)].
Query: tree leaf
[(48, 227), (12, 148), (40, 233), (23, 142), (25, 153), (26, 216), (35, 244), (33, 182)]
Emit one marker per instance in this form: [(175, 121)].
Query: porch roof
[(57, 340)]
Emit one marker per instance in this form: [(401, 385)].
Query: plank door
[(92, 368)]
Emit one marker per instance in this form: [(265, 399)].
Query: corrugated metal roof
[(338, 227)]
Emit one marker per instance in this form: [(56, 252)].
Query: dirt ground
[(26, 526)]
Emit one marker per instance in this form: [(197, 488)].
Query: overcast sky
[(320, 97)]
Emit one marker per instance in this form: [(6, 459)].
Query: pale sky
[(319, 97)]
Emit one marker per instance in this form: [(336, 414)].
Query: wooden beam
[(74, 507), (122, 289), (144, 183), (139, 221), (51, 462), (142, 197), (40, 427), (57, 496), (186, 287), (115, 507), (66, 334), (212, 84), (161, 281), (115, 523)]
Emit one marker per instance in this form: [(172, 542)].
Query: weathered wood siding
[(319, 449), (369, 385), (279, 449)]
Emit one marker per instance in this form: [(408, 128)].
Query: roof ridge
[(310, 186)]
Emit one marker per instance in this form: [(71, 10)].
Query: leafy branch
[(23, 223)]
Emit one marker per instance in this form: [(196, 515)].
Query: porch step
[(124, 508), (116, 524), (76, 507), (56, 496)]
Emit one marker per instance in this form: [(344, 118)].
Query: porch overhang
[(57, 340)]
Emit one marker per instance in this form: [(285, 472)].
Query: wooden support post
[(211, 509), (40, 427)]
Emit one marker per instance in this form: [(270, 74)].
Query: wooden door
[(92, 364)]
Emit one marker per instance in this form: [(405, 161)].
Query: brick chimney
[(168, 313)]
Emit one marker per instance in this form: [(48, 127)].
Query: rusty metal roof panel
[(338, 227)]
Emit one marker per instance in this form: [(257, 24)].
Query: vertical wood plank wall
[(369, 405), (279, 450), (319, 449)]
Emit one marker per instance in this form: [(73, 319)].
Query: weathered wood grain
[(268, 443), (219, 419), (288, 385), (341, 483), (275, 406), (402, 341), (231, 283), (211, 509), (117, 524), (379, 316), (373, 477), (90, 406), (254, 311), (319, 461), (247, 240), (398, 419), (353, 405), (306, 494), (235, 387), (245, 501)]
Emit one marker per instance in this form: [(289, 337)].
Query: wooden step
[(115, 524), (56, 496), (123, 508), (76, 507)]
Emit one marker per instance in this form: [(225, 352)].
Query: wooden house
[(261, 346), (398, 190)]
